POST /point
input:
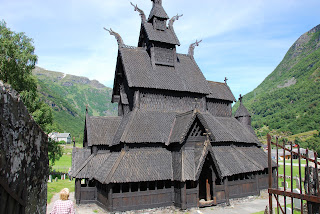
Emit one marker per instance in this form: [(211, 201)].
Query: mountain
[(288, 100), (68, 96)]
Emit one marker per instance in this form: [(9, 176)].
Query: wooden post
[(183, 195), (300, 184), (208, 190), (109, 188), (270, 172), (257, 183), (213, 184), (78, 190), (226, 188)]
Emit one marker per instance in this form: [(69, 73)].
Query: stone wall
[(23, 157)]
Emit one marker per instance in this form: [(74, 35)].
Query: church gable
[(188, 126)]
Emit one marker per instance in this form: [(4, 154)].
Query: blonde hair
[(64, 194)]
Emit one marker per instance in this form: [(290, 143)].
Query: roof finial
[(118, 37), (136, 8), (225, 80), (87, 108), (157, 1), (240, 98), (192, 46), (171, 21)]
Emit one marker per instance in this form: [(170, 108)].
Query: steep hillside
[(68, 96), (288, 100)]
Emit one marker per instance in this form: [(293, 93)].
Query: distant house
[(288, 154), (60, 137)]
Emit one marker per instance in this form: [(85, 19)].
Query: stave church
[(175, 141)]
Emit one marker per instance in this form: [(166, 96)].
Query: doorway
[(205, 181)]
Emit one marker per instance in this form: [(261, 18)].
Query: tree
[(17, 59)]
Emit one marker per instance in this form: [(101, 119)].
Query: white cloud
[(239, 36)]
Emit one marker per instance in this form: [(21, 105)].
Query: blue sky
[(243, 40)]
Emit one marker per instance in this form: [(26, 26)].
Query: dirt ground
[(246, 205)]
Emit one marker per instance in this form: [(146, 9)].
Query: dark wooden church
[(174, 141)]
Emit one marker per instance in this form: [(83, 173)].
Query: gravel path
[(247, 205)]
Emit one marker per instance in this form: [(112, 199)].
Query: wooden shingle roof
[(143, 164), (158, 11), (242, 111), (228, 129), (134, 165), (185, 76), (220, 91), (79, 156), (101, 130), (231, 161), (167, 36), (151, 126)]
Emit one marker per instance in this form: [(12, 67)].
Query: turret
[(243, 116)]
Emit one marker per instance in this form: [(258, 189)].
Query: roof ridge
[(115, 165), (128, 125), (84, 164), (172, 127), (184, 113), (210, 81)]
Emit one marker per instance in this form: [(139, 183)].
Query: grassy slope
[(295, 108), (68, 96)]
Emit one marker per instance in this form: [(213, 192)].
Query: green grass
[(63, 164), (56, 187), (295, 161), (288, 173)]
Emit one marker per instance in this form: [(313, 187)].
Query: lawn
[(63, 164)]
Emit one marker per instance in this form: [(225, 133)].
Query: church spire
[(157, 11)]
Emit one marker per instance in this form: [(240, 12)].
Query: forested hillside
[(68, 96), (288, 100)]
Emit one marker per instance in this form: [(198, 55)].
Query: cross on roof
[(207, 133), (240, 98), (225, 80), (196, 102)]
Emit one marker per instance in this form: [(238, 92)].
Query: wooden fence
[(309, 194)]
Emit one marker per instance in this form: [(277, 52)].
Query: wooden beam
[(183, 195), (208, 190), (310, 198)]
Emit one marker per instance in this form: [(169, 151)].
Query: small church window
[(116, 188), (125, 187), (168, 184), (134, 187), (143, 186), (191, 184), (152, 185), (160, 185)]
